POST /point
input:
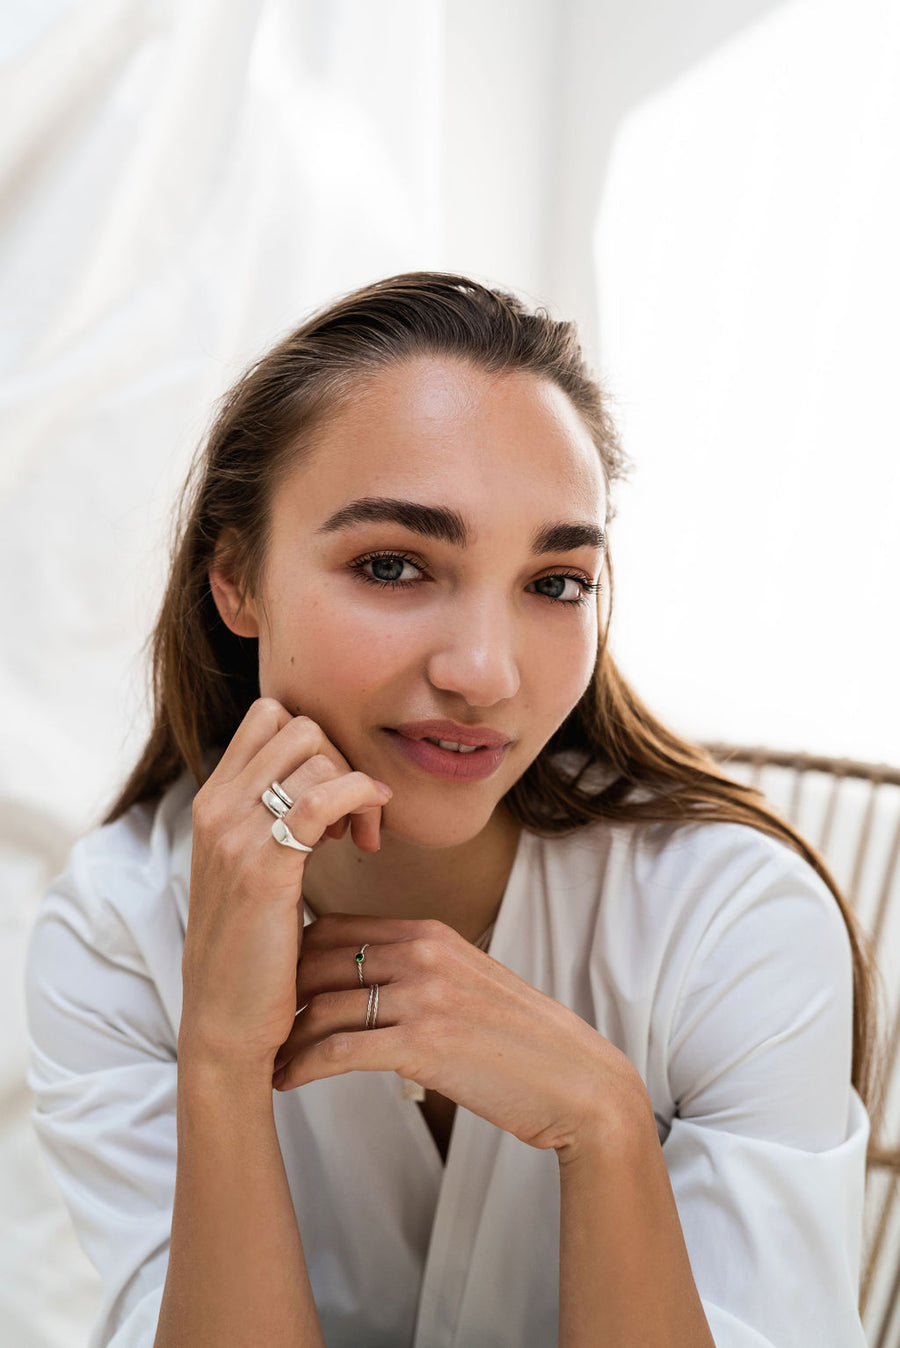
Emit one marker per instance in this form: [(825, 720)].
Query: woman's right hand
[(245, 919)]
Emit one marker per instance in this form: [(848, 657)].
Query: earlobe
[(236, 609)]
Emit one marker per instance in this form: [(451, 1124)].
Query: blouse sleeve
[(766, 1152), (103, 1072)]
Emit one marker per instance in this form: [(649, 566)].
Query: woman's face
[(431, 561)]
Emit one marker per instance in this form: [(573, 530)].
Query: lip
[(446, 763), (482, 736)]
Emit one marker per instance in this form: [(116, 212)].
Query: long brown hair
[(205, 677)]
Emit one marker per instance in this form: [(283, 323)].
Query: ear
[(236, 607)]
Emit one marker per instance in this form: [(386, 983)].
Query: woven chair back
[(850, 812)]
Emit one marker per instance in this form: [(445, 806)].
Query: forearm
[(237, 1275), (625, 1274)]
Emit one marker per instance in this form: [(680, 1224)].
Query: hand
[(455, 1020), (245, 918)]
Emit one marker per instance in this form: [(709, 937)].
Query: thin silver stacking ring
[(360, 959), (372, 1008)]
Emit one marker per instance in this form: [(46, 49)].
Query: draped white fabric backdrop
[(710, 189)]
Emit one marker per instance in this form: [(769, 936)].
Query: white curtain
[(183, 179), (708, 188)]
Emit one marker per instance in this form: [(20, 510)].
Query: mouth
[(464, 755), (453, 735)]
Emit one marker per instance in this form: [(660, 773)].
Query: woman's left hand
[(458, 1022)]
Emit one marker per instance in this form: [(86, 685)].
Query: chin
[(434, 829)]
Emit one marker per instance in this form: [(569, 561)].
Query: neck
[(461, 885)]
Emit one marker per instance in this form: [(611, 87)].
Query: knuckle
[(210, 819), (231, 851), (322, 763), (310, 803), (337, 1047), (203, 807), (268, 709), (435, 930), (302, 728), (428, 953)]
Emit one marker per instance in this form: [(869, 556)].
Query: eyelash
[(589, 587)]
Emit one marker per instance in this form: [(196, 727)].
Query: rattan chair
[(850, 812)]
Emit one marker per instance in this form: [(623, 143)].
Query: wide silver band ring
[(372, 1008), (282, 834), (274, 804), (360, 960), (276, 800)]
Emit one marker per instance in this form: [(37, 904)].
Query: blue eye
[(387, 570), (557, 585)]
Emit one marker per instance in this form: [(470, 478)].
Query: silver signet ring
[(282, 834)]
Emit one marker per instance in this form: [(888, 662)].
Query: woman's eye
[(564, 589), (387, 569)]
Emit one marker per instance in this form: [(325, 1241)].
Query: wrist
[(623, 1126), (199, 1065)]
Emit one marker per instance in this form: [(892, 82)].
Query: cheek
[(334, 647), (562, 665)]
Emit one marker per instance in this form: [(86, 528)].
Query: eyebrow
[(448, 526)]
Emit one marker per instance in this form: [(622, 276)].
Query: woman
[(389, 735)]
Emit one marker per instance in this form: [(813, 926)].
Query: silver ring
[(360, 959), (274, 804), (372, 1008), (282, 795), (282, 834)]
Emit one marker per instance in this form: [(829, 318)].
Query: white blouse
[(710, 954)]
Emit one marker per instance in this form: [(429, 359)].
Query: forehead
[(438, 429)]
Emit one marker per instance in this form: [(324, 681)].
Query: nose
[(475, 653)]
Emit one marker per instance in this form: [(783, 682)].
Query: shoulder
[(708, 875), (665, 910), (702, 874), (123, 893), (103, 964)]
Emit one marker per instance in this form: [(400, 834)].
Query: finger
[(262, 722), (304, 740), (338, 969), (332, 1012), (297, 740), (324, 802), (353, 929), (380, 1050), (364, 822), (365, 830)]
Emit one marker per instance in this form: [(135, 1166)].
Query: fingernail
[(383, 786)]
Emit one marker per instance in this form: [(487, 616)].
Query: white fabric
[(710, 954)]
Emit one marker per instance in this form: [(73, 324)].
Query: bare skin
[(422, 433), (491, 634)]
